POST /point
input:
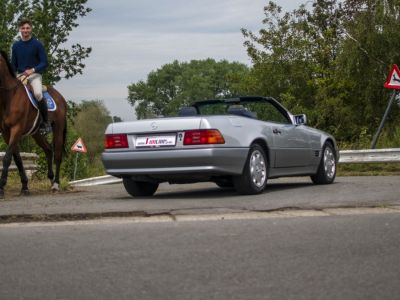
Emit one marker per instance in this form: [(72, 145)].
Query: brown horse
[(17, 118)]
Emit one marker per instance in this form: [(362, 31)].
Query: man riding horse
[(29, 60)]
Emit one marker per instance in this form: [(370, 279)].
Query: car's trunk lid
[(155, 126), (155, 133)]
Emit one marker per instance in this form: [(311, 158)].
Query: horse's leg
[(48, 151), (21, 170), (58, 142), (11, 139), (4, 174)]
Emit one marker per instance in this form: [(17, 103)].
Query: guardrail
[(346, 157), (29, 160), (369, 156), (106, 179)]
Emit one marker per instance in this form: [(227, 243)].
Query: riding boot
[(45, 127)]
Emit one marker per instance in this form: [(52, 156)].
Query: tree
[(90, 123), (370, 49), (11, 11), (53, 21), (328, 61), (180, 83), (116, 119)]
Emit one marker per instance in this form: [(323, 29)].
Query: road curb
[(173, 216)]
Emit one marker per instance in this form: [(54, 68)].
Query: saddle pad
[(51, 104)]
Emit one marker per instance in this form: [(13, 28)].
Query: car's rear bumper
[(212, 161)]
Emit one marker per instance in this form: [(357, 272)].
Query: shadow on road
[(181, 192)]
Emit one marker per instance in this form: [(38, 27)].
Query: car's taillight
[(113, 141), (203, 136)]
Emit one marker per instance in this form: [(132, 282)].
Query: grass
[(36, 185), (390, 138), (369, 169)]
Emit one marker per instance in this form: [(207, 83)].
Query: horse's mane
[(10, 68)]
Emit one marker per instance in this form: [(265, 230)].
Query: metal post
[(376, 136), (76, 164)]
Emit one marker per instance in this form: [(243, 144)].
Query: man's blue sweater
[(27, 55)]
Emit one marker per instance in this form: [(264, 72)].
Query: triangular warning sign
[(79, 146), (393, 80)]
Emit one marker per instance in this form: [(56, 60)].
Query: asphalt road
[(300, 193), (333, 257)]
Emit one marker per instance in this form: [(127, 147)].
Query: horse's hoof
[(24, 192), (1, 194), (55, 187)]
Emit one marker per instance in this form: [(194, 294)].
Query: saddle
[(51, 104)]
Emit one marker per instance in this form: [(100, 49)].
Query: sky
[(129, 39)]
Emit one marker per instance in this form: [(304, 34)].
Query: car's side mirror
[(300, 119)]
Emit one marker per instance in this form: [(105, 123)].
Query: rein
[(16, 84), (9, 88)]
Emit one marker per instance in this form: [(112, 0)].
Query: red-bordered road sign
[(393, 80), (79, 146)]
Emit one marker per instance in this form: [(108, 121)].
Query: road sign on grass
[(79, 146)]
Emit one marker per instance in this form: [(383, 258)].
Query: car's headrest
[(241, 111), (187, 111)]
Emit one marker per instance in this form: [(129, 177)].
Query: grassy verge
[(369, 169), (36, 185)]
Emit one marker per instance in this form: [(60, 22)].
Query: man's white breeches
[(35, 80)]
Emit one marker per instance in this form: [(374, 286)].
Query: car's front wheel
[(327, 167), (255, 173), (139, 188)]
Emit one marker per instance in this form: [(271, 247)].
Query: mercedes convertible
[(237, 143)]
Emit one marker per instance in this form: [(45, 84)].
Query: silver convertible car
[(238, 143)]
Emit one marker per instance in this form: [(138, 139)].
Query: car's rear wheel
[(255, 173), (327, 167), (139, 188)]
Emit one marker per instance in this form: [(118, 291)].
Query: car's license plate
[(155, 141)]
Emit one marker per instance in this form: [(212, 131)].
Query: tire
[(139, 188), (255, 173), (327, 167)]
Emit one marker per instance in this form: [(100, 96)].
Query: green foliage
[(52, 23), (90, 123), (11, 10), (116, 119), (329, 62), (180, 83), (73, 110)]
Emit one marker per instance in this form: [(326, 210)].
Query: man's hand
[(29, 72)]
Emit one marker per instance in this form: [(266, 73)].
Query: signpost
[(78, 147), (392, 82)]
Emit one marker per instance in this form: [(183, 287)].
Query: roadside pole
[(76, 164), (378, 132), (392, 82), (78, 147)]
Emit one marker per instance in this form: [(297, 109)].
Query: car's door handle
[(276, 131)]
